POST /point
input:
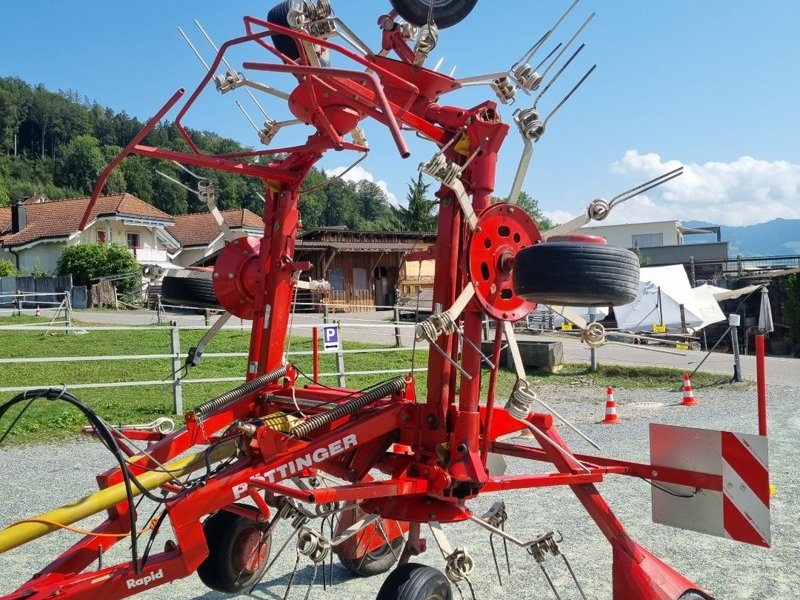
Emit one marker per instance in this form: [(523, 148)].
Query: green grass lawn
[(47, 421)]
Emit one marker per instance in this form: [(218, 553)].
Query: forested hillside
[(55, 144)]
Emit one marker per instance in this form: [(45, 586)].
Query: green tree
[(7, 268), (87, 262), (36, 269), (531, 206), (312, 204), (420, 214), (80, 163)]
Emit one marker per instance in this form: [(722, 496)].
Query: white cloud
[(741, 192), (558, 216), (359, 173)]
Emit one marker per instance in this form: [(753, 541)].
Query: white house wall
[(47, 253), (623, 235)]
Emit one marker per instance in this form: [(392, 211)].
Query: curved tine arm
[(101, 182), (568, 227), (369, 78)]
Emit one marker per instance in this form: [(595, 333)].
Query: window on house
[(133, 240), (336, 279), (647, 240), (101, 237), (359, 278)]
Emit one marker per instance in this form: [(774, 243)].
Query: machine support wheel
[(278, 14), (413, 581), (576, 274), (237, 552), (446, 13), (197, 292), (354, 553)]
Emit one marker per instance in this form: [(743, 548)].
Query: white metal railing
[(176, 380)]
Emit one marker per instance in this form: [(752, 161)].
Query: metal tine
[(571, 572), (568, 44), (646, 186), (505, 549), (546, 58), (196, 53), (558, 74), (246, 114), (291, 578), (567, 97), (494, 557), (313, 578), (546, 576), (529, 54)]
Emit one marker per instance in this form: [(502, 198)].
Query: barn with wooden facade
[(364, 268)]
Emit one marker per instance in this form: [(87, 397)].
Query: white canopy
[(662, 291)]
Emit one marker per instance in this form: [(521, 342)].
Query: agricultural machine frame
[(402, 459)]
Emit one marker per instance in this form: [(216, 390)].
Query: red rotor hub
[(502, 231), (238, 275)]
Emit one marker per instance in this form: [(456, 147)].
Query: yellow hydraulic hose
[(20, 533)]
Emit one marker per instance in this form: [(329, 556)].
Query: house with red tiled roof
[(40, 228), (199, 235)]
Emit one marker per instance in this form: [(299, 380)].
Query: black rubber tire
[(413, 581), (195, 292), (219, 571), (576, 274), (374, 563), (278, 14), (446, 13)]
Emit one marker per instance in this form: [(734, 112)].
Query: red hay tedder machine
[(382, 462)]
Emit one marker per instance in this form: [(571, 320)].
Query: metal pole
[(325, 310), (315, 352), (733, 321), (592, 350), (761, 380), (177, 388), (397, 340), (340, 357)]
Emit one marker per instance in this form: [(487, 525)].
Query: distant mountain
[(776, 237)]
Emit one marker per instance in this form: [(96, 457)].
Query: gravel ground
[(727, 569)]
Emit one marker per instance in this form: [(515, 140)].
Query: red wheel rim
[(237, 275), (502, 231), (249, 551)]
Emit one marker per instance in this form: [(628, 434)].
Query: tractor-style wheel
[(576, 274), (279, 14), (237, 552), (446, 13), (193, 291), (354, 553), (413, 581)]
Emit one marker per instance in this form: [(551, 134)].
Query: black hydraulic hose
[(346, 408), (239, 392)]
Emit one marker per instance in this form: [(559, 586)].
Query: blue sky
[(711, 85)]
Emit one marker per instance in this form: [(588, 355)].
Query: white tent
[(662, 291)]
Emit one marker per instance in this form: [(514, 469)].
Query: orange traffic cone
[(611, 417), (38, 311), (688, 394)]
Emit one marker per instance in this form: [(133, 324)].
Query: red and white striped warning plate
[(739, 509)]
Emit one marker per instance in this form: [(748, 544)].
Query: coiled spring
[(505, 89), (526, 77), (599, 209), (594, 335), (441, 170), (311, 544), (347, 408), (228, 81), (434, 326), (522, 397), (267, 133), (239, 392), (459, 565), (427, 38), (530, 125)]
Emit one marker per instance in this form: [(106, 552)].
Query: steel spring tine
[(313, 578), (291, 578), (528, 55), (546, 58), (568, 44), (558, 74), (366, 547), (505, 549), (575, 579), (567, 97), (550, 581), (646, 186), (494, 558)]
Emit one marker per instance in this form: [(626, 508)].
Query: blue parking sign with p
[(330, 337)]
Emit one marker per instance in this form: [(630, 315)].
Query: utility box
[(542, 356)]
